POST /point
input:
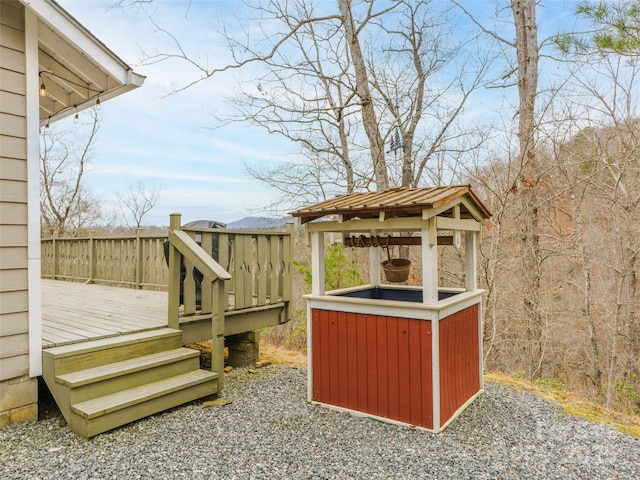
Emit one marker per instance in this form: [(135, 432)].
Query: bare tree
[(327, 86), (527, 182), (609, 98), (137, 200), (363, 89), (526, 46), (66, 204)]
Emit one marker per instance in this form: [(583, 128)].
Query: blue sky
[(147, 135)]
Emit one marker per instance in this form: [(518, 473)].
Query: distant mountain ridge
[(250, 223)]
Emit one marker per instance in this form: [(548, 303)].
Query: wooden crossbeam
[(367, 241)]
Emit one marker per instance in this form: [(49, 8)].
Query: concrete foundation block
[(243, 349)]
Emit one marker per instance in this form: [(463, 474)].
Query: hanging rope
[(365, 241)]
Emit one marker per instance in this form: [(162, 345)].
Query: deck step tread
[(117, 401), (110, 342), (96, 374)]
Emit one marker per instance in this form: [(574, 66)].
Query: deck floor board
[(77, 312)]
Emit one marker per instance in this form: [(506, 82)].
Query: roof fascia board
[(68, 27)]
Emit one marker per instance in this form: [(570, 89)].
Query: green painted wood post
[(217, 330), (54, 247), (287, 292), (139, 258), (173, 316), (92, 257)]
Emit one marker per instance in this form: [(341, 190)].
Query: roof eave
[(65, 24), (96, 52), (394, 202)]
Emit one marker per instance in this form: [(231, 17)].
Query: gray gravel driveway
[(269, 431)]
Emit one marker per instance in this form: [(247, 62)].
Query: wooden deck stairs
[(103, 384), (103, 377)]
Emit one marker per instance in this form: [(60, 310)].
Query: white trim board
[(33, 194)]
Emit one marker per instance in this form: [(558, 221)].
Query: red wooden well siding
[(373, 364), (459, 360)]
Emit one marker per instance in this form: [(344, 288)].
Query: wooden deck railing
[(259, 262), (134, 261)]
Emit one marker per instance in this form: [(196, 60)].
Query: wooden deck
[(77, 312)]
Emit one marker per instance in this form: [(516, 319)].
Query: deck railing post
[(175, 220), (288, 263), (220, 302), (92, 257), (54, 247), (139, 258)]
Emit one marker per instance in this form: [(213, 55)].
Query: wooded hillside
[(588, 191)]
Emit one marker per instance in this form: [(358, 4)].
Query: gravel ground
[(270, 431)]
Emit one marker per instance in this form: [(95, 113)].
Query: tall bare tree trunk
[(524, 16), (376, 143), (596, 372)]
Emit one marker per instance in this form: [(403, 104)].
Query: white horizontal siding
[(12, 15), (14, 324), (13, 213), (13, 280), (14, 293), (13, 235), (13, 346), (13, 125), (12, 191), (14, 367), (12, 258), (12, 169)]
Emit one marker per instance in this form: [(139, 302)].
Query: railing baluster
[(247, 274), (225, 252), (262, 260), (238, 256), (274, 271), (206, 293), (188, 288)]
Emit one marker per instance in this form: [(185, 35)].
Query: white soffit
[(76, 68)]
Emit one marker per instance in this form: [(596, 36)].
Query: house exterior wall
[(18, 392)]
